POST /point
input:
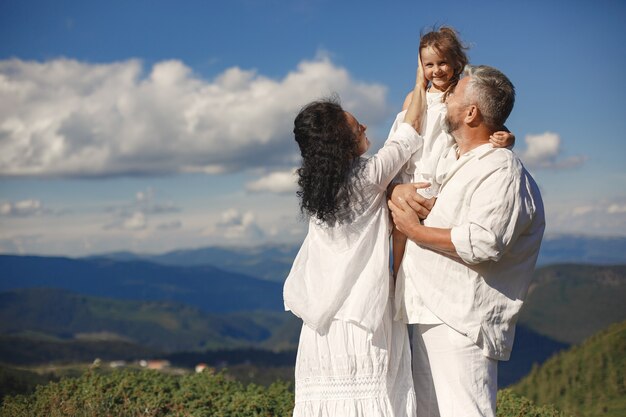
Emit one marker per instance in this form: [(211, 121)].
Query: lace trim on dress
[(339, 388)]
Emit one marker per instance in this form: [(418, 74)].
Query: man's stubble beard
[(449, 126)]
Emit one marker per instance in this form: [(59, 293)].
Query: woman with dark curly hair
[(353, 359)]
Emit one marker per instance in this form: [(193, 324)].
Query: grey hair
[(492, 92)]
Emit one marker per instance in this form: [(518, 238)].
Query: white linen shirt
[(495, 211), (342, 272)]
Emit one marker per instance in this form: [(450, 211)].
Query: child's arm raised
[(417, 99)]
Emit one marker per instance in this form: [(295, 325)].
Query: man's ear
[(472, 115)]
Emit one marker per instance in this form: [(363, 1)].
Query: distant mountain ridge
[(582, 250), (269, 262), (206, 287), (273, 262)]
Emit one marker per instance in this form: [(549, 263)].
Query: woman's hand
[(420, 205)]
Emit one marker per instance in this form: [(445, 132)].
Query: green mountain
[(569, 303), (34, 350), (59, 316), (586, 380), (192, 309)]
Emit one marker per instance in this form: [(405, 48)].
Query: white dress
[(351, 372), (353, 359)]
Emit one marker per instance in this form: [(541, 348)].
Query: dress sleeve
[(403, 142), (500, 210)]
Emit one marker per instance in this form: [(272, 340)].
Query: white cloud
[(616, 209), (133, 216), (20, 244), (280, 182), (237, 227), (582, 210), (68, 118), (135, 221), (145, 202), (544, 151), (606, 217), (22, 208)]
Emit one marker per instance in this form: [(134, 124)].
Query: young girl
[(443, 59), (353, 359)]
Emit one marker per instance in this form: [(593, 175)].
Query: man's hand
[(404, 217), (407, 192), (407, 222)]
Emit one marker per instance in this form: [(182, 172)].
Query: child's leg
[(398, 245)]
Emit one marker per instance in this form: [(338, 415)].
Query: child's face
[(437, 69)]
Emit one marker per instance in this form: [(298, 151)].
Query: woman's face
[(437, 69), (363, 143)]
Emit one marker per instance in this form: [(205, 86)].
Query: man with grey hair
[(470, 264)]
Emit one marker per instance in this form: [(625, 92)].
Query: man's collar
[(477, 152)]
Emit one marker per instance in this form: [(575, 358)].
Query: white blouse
[(342, 271)]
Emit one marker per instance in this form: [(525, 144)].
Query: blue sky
[(155, 125)]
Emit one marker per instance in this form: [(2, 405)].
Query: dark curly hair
[(329, 155)]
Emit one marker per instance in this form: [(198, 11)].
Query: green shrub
[(512, 405), (133, 393), (130, 393)]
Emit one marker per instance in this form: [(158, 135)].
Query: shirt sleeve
[(398, 148), (500, 210)]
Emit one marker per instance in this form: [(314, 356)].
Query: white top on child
[(428, 164)]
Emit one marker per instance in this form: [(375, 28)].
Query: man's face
[(455, 104)]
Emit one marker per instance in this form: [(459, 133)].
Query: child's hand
[(502, 139), (421, 78)]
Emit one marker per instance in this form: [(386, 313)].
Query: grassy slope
[(586, 380)]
